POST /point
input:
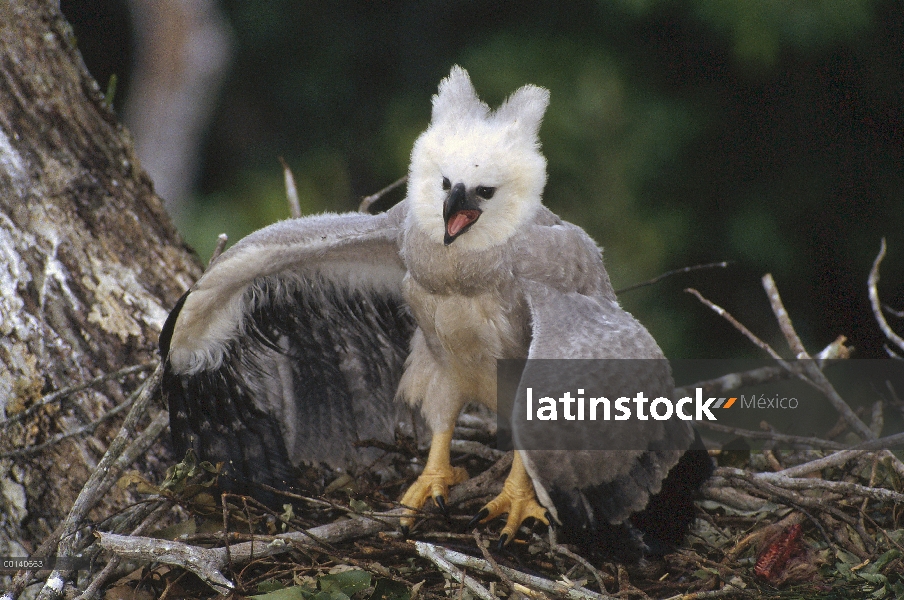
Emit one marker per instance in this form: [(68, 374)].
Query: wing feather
[(597, 495), (300, 359)]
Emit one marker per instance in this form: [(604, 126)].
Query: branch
[(659, 278), (90, 427), (740, 327), (152, 519), (733, 381), (217, 559), (832, 460), (209, 563), (517, 594), (728, 591), (476, 448), (68, 391), (584, 563), (571, 592), (291, 190), (433, 553), (368, 201), (203, 562), (222, 240), (771, 435), (100, 481), (873, 283), (812, 374), (845, 488)]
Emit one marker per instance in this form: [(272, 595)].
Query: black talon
[(483, 514), (548, 516), (405, 531), (503, 539), (441, 503)]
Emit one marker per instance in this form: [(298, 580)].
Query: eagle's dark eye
[(446, 183), (485, 192)]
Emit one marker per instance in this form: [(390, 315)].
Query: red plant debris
[(776, 555)]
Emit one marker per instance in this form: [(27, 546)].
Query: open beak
[(459, 212)]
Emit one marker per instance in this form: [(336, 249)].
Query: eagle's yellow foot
[(434, 481), (517, 499)]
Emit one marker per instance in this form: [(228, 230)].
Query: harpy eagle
[(313, 333)]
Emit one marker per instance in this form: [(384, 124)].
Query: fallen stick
[(845, 488), (435, 555), (572, 592)]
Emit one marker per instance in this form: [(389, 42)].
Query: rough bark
[(89, 266)]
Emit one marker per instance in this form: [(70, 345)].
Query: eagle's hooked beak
[(460, 211)]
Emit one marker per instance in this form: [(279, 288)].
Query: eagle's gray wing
[(600, 495), (290, 348)]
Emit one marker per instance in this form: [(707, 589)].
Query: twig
[(727, 591), (495, 566), (893, 460), (149, 549), (832, 460), (755, 536), (432, 553), (791, 497), (482, 422), (572, 592), (584, 563), (740, 327), (895, 313), (291, 190), (873, 283), (877, 419), (137, 448), (222, 239), (845, 488), (99, 482), (784, 320), (716, 489), (732, 381), (657, 279), (811, 373), (90, 427), (68, 391), (476, 448), (139, 445), (101, 578), (483, 483), (368, 201), (203, 562), (770, 435)]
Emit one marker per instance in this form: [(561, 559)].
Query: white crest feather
[(457, 100), (524, 110), (467, 143)]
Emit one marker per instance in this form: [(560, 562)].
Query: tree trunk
[(89, 266), (182, 53)]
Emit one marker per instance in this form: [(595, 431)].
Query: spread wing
[(604, 498), (290, 348)]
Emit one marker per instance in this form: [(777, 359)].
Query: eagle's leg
[(517, 499), (436, 478)]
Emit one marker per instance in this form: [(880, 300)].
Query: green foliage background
[(764, 132)]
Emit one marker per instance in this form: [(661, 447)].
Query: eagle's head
[(477, 175)]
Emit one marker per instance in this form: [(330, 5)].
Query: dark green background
[(763, 132)]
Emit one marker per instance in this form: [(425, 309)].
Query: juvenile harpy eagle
[(297, 340)]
